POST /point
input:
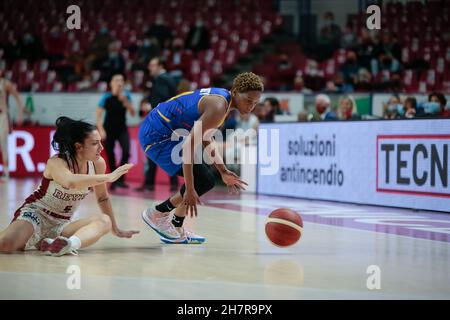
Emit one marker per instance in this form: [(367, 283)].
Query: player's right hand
[(190, 200), (120, 171)]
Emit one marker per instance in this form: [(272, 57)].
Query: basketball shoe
[(161, 223), (57, 247), (186, 237)]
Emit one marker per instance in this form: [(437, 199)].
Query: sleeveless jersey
[(54, 199)]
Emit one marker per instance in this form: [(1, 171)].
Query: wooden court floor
[(331, 260)]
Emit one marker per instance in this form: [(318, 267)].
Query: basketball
[(284, 227)]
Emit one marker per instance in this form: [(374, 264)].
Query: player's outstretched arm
[(58, 170)]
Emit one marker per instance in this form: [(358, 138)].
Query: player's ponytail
[(68, 133)]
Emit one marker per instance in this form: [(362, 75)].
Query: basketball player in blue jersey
[(196, 112)]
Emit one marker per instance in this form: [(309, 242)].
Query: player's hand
[(120, 171), (124, 234), (233, 182), (190, 200)]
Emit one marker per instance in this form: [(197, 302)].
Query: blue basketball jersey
[(179, 112)]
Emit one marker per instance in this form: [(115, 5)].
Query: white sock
[(75, 242)]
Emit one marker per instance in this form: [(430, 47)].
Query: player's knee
[(105, 222), (206, 184), (7, 245), (211, 182)]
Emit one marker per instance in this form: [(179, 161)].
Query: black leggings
[(204, 179), (124, 139)]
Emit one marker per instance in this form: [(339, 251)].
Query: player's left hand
[(124, 234), (233, 181)]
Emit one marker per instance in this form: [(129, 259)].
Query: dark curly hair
[(68, 133)]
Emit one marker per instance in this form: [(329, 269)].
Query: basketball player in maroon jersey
[(44, 220)]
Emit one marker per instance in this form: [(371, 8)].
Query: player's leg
[(204, 181), (109, 148), (124, 141), (158, 218), (4, 130), (78, 234), (15, 236)]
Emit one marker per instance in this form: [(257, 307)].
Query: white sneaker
[(58, 247), (161, 223), (187, 237)]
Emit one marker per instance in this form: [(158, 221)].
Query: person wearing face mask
[(160, 31), (98, 50), (149, 49), (410, 107), (114, 63), (394, 109), (439, 98), (198, 36)]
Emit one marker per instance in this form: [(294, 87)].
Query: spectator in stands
[(410, 107), (364, 80), (348, 39), (299, 83), (55, 44), (350, 68), (150, 48), (323, 109), (330, 36), (387, 55), (439, 98), (338, 85), (175, 62), (31, 47), (302, 116), (393, 109), (365, 50), (98, 50), (115, 105), (11, 48), (266, 112), (273, 105), (160, 31), (198, 37), (114, 63), (347, 108), (163, 88)]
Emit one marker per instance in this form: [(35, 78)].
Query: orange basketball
[(284, 227)]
